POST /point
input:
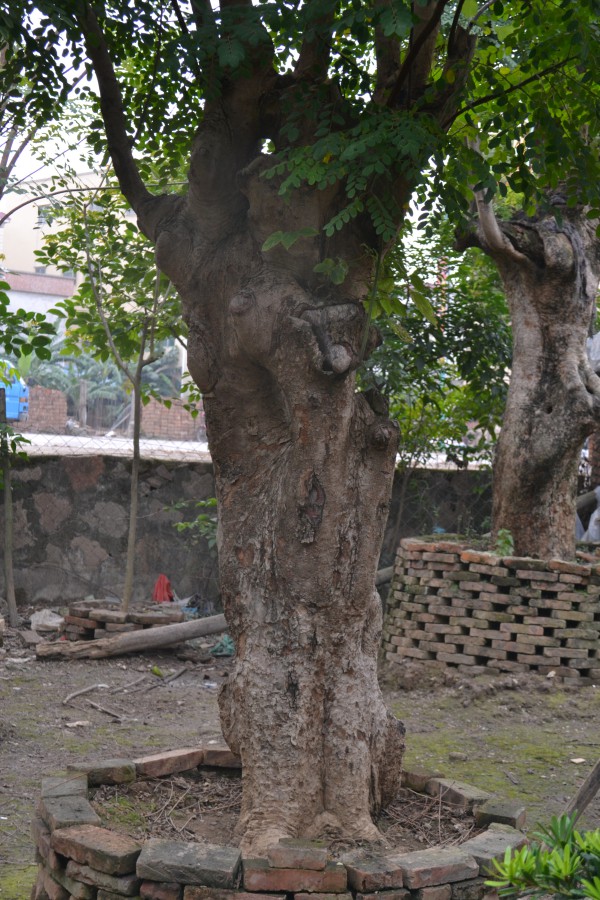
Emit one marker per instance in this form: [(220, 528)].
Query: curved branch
[(111, 104), (416, 66), (315, 51)]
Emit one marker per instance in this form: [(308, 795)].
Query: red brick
[(476, 556), (160, 890), (99, 848), (169, 762), (371, 873), (292, 853), (259, 876), (559, 565), (436, 892), (221, 757), (81, 622), (198, 892)]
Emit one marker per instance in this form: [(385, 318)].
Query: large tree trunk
[(550, 270), (303, 470)]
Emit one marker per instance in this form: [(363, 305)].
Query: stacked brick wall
[(481, 612), (47, 410), (174, 423)]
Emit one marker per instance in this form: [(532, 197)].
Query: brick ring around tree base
[(79, 859)]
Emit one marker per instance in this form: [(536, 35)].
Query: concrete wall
[(71, 521)]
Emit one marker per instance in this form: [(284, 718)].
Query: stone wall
[(71, 521), (480, 612)]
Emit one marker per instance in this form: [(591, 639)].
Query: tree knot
[(310, 512)]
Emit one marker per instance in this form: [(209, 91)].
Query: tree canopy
[(308, 130), (357, 94)]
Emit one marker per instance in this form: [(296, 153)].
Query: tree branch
[(515, 87), (387, 53), (313, 60), (111, 104), (416, 66)]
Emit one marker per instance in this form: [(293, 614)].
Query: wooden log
[(585, 794), (132, 641)]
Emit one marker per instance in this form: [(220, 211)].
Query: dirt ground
[(524, 737)]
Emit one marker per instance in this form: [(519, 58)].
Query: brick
[(116, 628), (540, 576), (505, 580), (41, 838), (221, 757), (106, 771), (161, 890), (163, 616), (169, 762), (456, 793), (305, 896), (524, 563), (65, 786), (198, 892), (450, 547), (114, 616), (493, 844), (475, 585), (398, 894), (518, 628), (493, 615), (435, 892), (52, 889), (99, 848), (505, 812), (295, 853), (457, 659), (368, 872), (559, 565), (61, 812), (437, 865), (474, 889), (189, 863), (125, 885), (80, 622), (490, 571), (416, 778), (477, 556), (544, 621), (76, 890), (258, 876)]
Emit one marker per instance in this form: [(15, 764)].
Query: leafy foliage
[(564, 863), (445, 356), (23, 332)]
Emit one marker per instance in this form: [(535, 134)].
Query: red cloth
[(162, 592)]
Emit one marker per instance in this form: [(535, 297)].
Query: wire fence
[(47, 444)]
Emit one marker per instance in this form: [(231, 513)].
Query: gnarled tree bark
[(550, 266), (303, 464)]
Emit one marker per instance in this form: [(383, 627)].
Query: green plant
[(505, 544), (562, 862), (204, 525)]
